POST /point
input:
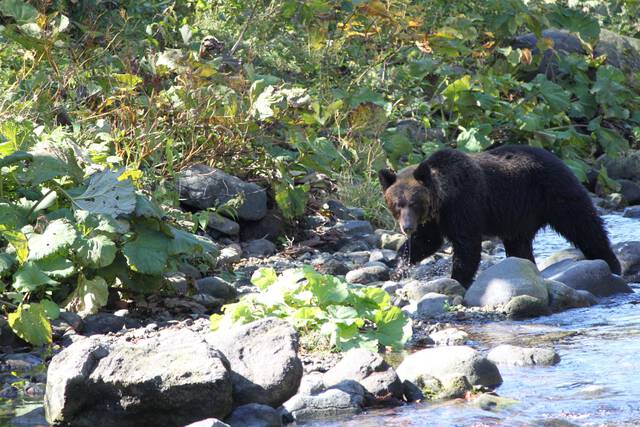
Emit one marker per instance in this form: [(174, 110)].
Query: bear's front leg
[(466, 259), (424, 242)]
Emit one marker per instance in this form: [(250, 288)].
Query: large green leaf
[(7, 262), (106, 194), (576, 21), (148, 252), (264, 277), (553, 94), (393, 328), (30, 277), (21, 11), (98, 251), (18, 240), (31, 324), (56, 266), (184, 242), (89, 295), (57, 238)]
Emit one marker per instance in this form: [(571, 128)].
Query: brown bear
[(508, 192)]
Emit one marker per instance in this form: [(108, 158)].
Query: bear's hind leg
[(521, 247), (582, 226)]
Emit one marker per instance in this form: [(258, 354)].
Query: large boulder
[(628, 254), (368, 274), (563, 297), (630, 191), (171, 378), (430, 305), (621, 51), (588, 275), (263, 355), (254, 415), (202, 187), (443, 362), (511, 355), (341, 400), (510, 278), (624, 166), (371, 371)]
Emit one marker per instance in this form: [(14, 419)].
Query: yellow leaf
[(375, 8), (134, 174), (414, 24), (525, 56)]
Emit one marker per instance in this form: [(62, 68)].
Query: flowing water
[(596, 383)]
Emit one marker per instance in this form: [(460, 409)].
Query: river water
[(597, 381)]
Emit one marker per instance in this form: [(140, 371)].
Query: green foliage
[(348, 315)]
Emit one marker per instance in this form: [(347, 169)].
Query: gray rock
[(417, 289), (621, 51), (339, 401), (103, 323), (371, 371), (441, 362), (33, 418), (432, 268), (364, 275), (312, 383), (333, 267), (259, 248), (412, 393), (624, 166), (454, 387), (217, 288), (628, 254), (172, 378), (588, 275), (449, 336), (386, 256), (203, 187), (254, 415), (632, 212), (223, 225), (508, 279), (563, 297), (230, 254), (390, 239), (572, 254), (353, 228), (190, 270), (209, 302), (271, 227), (179, 282), (511, 355), (248, 348), (391, 287), (431, 305), (630, 191), (526, 306), (209, 422), (342, 212), (20, 362)]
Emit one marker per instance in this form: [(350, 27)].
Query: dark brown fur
[(508, 192)]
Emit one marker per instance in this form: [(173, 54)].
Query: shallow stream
[(597, 382)]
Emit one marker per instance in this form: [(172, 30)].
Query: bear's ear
[(423, 173), (387, 177)]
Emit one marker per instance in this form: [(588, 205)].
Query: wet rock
[(209, 422), (563, 297), (588, 275), (271, 227), (572, 254), (8, 392), (508, 279), (254, 415), (632, 212), (430, 305), (417, 289), (230, 254), (454, 387), (247, 347), (412, 393), (259, 248), (511, 355), (353, 228), (344, 399), (202, 187), (525, 307), (223, 224), (441, 362), (216, 287), (390, 239), (628, 254), (365, 275), (171, 378), (492, 402), (449, 336), (371, 371), (387, 256), (630, 191), (103, 323)]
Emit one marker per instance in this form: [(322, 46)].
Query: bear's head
[(411, 195)]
